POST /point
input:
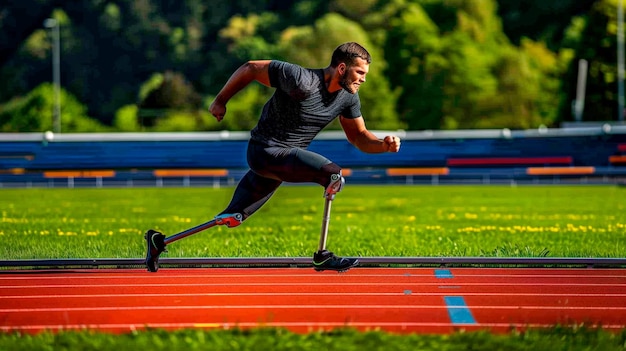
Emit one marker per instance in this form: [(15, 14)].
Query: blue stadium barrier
[(595, 155)]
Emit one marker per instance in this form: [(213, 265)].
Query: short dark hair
[(348, 52)]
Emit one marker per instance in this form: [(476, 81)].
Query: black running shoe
[(156, 245), (326, 260)]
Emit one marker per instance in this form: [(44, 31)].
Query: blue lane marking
[(458, 311), (443, 274)]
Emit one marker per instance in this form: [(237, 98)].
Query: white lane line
[(75, 296), (299, 284), (298, 307), (413, 293)]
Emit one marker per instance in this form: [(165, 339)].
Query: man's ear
[(341, 68)]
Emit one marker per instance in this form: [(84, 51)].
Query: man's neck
[(331, 81)]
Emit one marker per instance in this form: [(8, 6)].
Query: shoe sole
[(155, 262), (339, 270)]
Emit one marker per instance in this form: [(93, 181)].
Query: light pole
[(579, 103), (53, 25)]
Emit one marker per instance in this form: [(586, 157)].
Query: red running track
[(401, 300)]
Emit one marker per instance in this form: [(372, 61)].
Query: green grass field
[(490, 221), (493, 221), (557, 339)]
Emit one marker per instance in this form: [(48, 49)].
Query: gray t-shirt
[(301, 106)]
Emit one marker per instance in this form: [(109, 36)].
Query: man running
[(304, 102)]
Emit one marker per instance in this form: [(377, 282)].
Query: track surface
[(402, 300)]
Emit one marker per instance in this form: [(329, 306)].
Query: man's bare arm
[(366, 141), (244, 75)]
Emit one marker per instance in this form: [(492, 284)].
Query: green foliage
[(33, 113), (415, 65), (250, 37), (165, 95), (468, 73), (150, 86), (172, 92), (245, 108), (437, 63), (597, 44), (313, 47), (126, 119), (353, 8), (470, 81), (176, 121), (542, 21)]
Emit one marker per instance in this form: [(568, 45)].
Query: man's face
[(354, 75)]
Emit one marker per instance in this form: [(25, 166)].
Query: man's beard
[(346, 84)]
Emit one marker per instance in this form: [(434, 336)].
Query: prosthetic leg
[(336, 184), (251, 193), (324, 259), (229, 220), (157, 241)]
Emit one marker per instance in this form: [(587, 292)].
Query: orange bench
[(186, 174), (71, 175), (13, 171), (560, 170), (417, 171), (409, 173), (346, 172), (79, 174), (160, 173)]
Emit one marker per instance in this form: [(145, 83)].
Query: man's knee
[(335, 180), (331, 168)]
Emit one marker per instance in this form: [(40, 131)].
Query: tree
[(462, 72), (437, 63), (412, 48), (540, 20), (312, 46), (172, 93), (33, 113), (597, 44)]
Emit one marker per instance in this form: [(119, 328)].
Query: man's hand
[(392, 143), (218, 110), (244, 75)]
